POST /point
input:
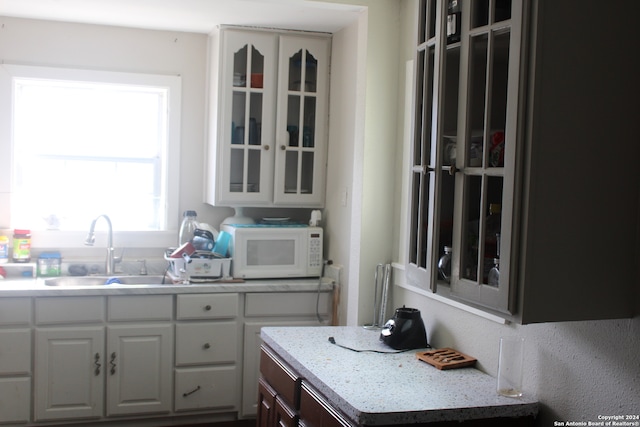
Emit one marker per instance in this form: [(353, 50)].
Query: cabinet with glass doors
[(464, 147), (269, 94), (506, 121)]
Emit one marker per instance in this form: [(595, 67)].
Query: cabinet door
[(301, 131), (139, 369), (69, 373), (464, 151), (315, 411), (487, 145), (266, 404), (247, 118), (15, 405), (284, 415)]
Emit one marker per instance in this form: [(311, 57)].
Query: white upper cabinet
[(268, 118), (508, 135)]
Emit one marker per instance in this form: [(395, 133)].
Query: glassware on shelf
[(494, 273), (453, 21), (444, 264)]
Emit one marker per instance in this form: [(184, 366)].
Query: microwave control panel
[(315, 251)]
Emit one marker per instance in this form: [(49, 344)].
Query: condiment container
[(4, 249), (21, 245), (49, 264)]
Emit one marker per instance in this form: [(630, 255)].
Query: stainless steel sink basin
[(102, 280)]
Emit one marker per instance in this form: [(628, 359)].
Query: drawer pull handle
[(206, 346), (96, 359), (207, 308), (112, 363), (191, 392)]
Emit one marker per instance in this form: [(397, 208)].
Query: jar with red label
[(21, 245)]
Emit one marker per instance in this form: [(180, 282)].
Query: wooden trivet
[(446, 358)]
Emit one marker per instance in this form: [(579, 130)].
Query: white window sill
[(399, 280)]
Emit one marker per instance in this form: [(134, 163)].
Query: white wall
[(58, 44), (362, 151), (577, 370)]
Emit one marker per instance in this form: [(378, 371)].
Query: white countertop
[(36, 287), (375, 389)]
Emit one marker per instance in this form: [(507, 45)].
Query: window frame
[(71, 239)]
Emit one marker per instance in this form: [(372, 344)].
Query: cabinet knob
[(283, 147), (207, 308), (206, 346), (267, 147), (453, 169)]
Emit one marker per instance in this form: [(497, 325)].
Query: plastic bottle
[(21, 245), (188, 226), (4, 249), (494, 273)]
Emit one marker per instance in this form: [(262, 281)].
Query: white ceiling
[(199, 16)]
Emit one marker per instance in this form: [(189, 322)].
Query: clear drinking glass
[(510, 366)]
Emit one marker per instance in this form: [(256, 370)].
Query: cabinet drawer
[(16, 400), (15, 352), (70, 310), (206, 388), (280, 377), (286, 303), (15, 311), (207, 306), (148, 307), (206, 342), (314, 408)]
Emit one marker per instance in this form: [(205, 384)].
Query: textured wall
[(577, 370)]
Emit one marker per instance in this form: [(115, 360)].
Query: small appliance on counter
[(275, 248), (405, 330)]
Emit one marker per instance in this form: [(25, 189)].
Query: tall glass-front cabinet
[(268, 118), (468, 58), (512, 103)]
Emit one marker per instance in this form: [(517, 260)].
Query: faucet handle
[(117, 259), (143, 267)]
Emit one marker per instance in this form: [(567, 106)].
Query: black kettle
[(405, 331)]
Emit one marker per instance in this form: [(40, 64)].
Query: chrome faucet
[(91, 238)]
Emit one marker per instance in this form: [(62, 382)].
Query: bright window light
[(86, 148)]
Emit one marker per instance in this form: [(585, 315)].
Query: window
[(86, 143)]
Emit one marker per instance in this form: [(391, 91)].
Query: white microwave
[(262, 251)]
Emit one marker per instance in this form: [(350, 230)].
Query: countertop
[(375, 389), (35, 287)]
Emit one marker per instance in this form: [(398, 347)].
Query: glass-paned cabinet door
[(301, 129), (489, 81), (433, 152), (247, 160)]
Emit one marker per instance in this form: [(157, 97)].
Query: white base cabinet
[(137, 359), (281, 309)]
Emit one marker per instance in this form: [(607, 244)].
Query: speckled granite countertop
[(36, 287), (375, 389)]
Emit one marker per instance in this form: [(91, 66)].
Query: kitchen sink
[(102, 280)]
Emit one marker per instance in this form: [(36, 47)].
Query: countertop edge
[(36, 288)]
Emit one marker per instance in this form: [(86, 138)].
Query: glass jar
[(21, 245), (49, 264), (494, 273), (444, 264)]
